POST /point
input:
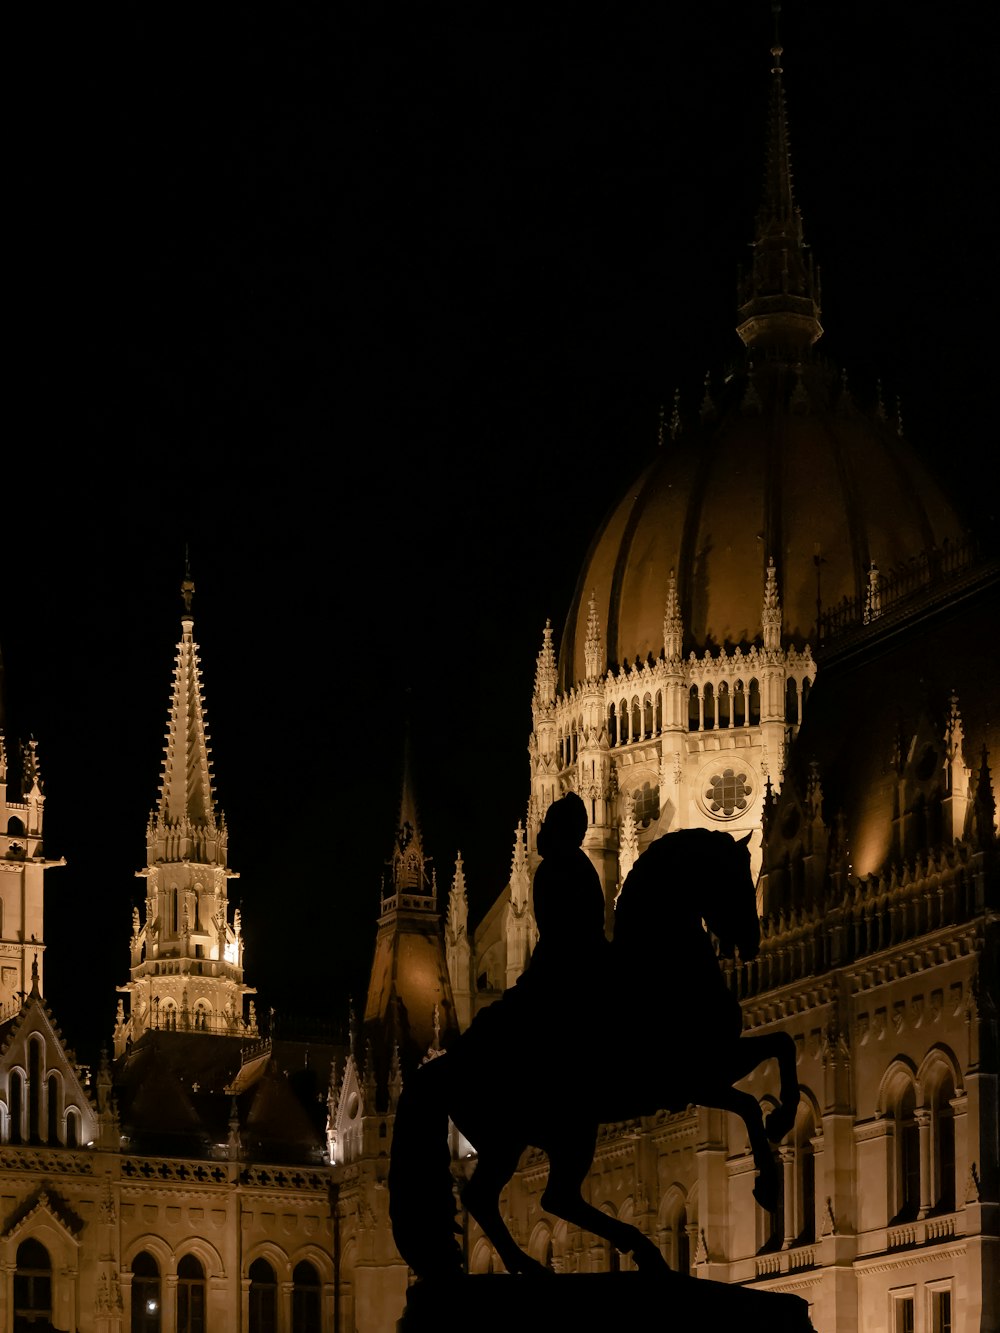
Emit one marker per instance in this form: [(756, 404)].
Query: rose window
[(727, 793)]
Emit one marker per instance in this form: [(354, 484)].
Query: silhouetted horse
[(670, 1037)]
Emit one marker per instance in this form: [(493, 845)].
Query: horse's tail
[(421, 1198)]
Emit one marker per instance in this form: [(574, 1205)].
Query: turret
[(185, 941)]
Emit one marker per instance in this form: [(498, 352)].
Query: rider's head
[(564, 825)]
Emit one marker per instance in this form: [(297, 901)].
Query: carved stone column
[(922, 1116)]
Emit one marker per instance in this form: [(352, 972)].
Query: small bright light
[(151, 1307)]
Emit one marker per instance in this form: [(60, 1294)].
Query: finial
[(34, 975), (187, 586)]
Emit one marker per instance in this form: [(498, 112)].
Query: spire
[(673, 626), (545, 668), (409, 874), (593, 657), (779, 300), (771, 611), (31, 773), (458, 903), (187, 795)]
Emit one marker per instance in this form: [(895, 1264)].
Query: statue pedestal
[(667, 1303)]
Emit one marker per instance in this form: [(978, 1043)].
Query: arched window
[(34, 1090), (612, 725), (52, 1109), (263, 1298), (647, 716), (636, 719), (943, 1145), (15, 827), (907, 1156), (145, 1294), (694, 713), (725, 713), (709, 713), (16, 1107), (306, 1303), (190, 1296), (754, 704), (32, 1285), (739, 705), (72, 1128)]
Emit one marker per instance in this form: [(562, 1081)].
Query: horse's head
[(702, 873), (730, 906)]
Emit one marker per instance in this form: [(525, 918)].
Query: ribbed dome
[(789, 468)]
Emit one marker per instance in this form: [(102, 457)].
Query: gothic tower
[(410, 1008), (187, 954), (22, 873)]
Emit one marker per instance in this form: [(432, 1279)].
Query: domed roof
[(789, 468), (781, 465)]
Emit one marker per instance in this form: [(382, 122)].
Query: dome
[(781, 465), (786, 467)]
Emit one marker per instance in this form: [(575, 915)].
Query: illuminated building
[(780, 629), (710, 673), (141, 1200)]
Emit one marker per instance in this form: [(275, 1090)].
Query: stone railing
[(48, 1161), (892, 594), (867, 917)]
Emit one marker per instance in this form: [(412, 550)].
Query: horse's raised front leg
[(481, 1196), (747, 1107), (753, 1051), (569, 1163)]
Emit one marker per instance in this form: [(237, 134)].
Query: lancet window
[(263, 1298), (305, 1298), (146, 1312), (190, 1295), (32, 1285), (905, 1196)]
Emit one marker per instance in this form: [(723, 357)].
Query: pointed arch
[(675, 1228)]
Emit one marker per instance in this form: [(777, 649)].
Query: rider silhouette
[(568, 903)]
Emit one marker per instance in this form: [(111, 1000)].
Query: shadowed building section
[(410, 1009)]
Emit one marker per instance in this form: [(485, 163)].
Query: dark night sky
[(375, 309)]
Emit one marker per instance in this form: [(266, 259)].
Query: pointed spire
[(458, 902), (409, 873), (873, 595), (545, 669), (395, 1086), (771, 611), (779, 298), (628, 844), (31, 773), (673, 626), (520, 877), (593, 655), (187, 795)]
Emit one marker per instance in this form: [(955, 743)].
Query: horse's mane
[(668, 881)]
